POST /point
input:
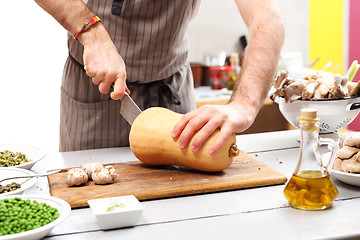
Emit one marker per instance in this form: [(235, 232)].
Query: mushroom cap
[(353, 88), (341, 141), (358, 156), (337, 164), (310, 90), (336, 92), (352, 141), (351, 165), (280, 78), (294, 90), (347, 152), (323, 90)]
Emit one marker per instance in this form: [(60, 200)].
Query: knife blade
[(129, 110)]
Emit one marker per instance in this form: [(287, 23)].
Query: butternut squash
[(151, 142)]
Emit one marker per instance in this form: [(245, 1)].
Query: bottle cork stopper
[(234, 58), (308, 113)]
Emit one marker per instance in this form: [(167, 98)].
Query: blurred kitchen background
[(320, 35)]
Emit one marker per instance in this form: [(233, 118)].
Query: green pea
[(17, 215)]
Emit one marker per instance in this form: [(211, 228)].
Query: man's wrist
[(86, 26), (95, 33)]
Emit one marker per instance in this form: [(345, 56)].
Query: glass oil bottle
[(310, 187)]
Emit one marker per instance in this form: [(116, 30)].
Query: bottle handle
[(330, 142)]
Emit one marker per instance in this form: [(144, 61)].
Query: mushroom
[(341, 141), (358, 156), (351, 165), (348, 156), (338, 88), (89, 168), (347, 152), (353, 88), (280, 78), (343, 83), (294, 91), (280, 91), (324, 87), (104, 175), (337, 164), (310, 90), (316, 87), (352, 141), (312, 76), (76, 177)]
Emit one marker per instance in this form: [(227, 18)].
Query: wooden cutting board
[(148, 182)]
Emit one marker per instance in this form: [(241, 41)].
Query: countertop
[(256, 213)]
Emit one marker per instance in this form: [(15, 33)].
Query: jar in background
[(197, 71), (219, 76)]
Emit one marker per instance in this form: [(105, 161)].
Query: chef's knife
[(129, 110)]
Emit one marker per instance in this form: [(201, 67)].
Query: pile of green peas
[(18, 215)]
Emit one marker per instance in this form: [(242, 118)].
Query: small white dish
[(116, 212), (348, 178), (32, 153), (226, 91), (25, 183), (63, 208)]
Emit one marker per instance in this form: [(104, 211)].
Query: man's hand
[(103, 63), (228, 118), (266, 34)]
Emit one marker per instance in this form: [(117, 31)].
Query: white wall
[(33, 51), (218, 26)]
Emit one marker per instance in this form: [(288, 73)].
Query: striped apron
[(150, 35)]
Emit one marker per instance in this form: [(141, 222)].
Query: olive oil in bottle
[(310, 191), (310, 187)]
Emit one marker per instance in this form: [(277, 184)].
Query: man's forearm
[(266, 34), (71, 14)]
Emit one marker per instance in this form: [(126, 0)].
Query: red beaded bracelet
[(87, 26)]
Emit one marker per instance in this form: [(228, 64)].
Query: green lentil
[(18, 215), (9, 158), (9, 187)]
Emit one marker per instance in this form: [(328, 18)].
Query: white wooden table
[(257, 213)]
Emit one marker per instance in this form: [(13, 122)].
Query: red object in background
[(354, 48), (219, 75), (197, 71)]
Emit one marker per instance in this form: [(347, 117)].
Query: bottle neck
[(309, 131), (309, 147)]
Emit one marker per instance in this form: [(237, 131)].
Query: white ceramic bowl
[(334, 114), (38, 233), (126, 214), (32, 153), (17, 172), (348, 178)]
